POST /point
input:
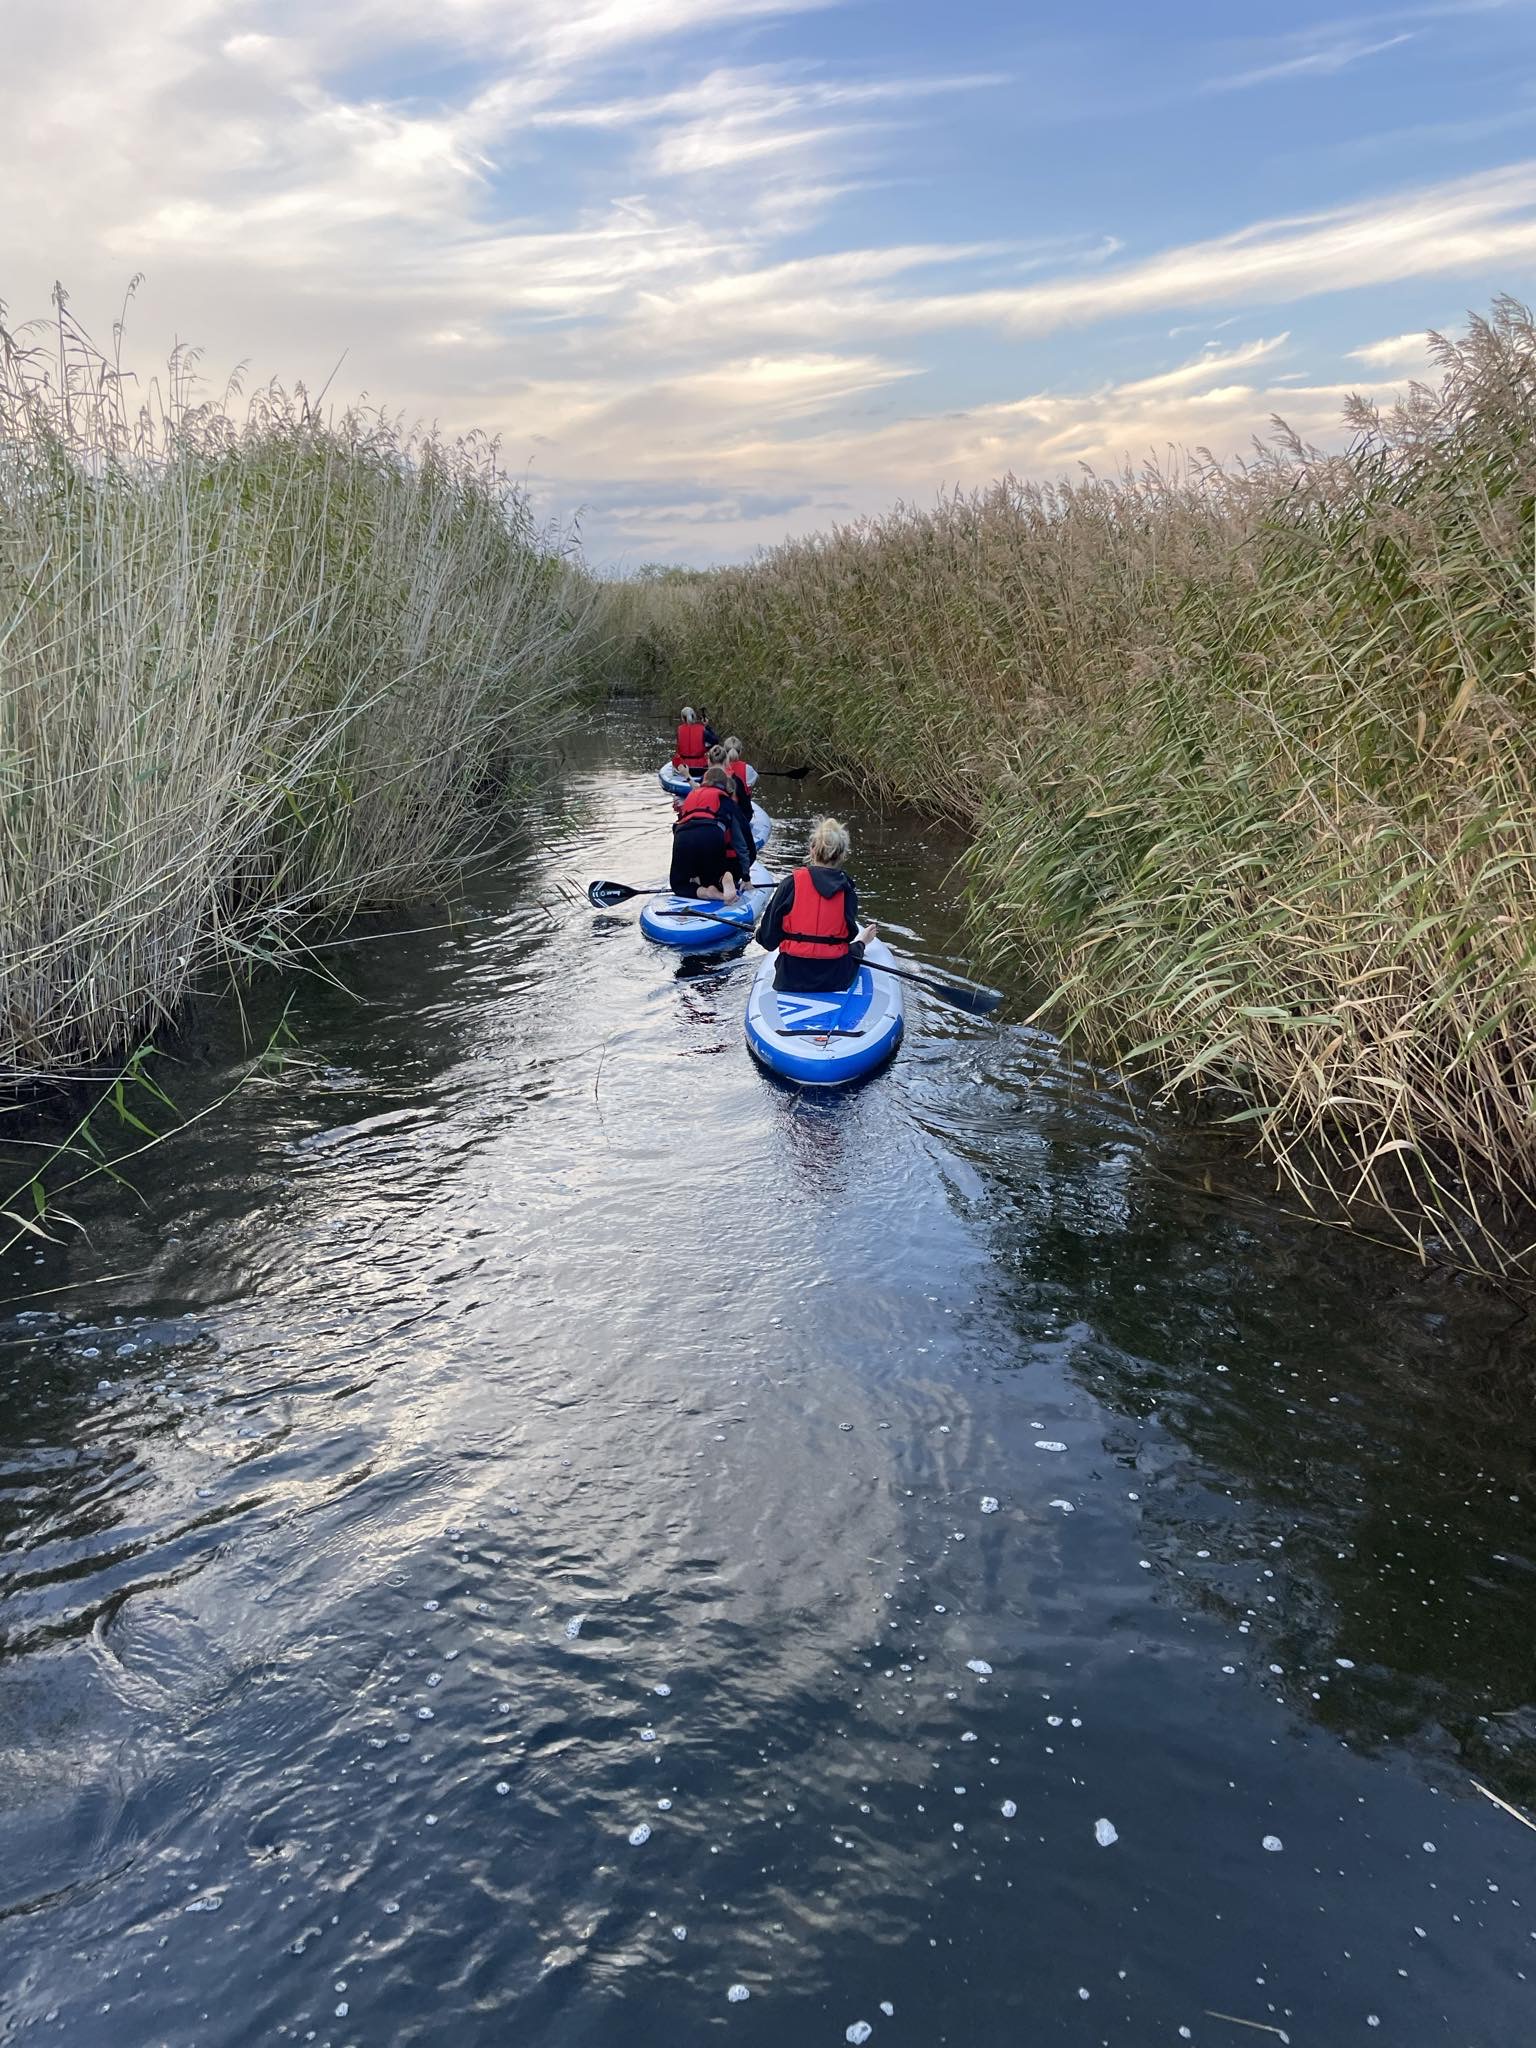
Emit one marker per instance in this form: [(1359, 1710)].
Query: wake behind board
[(826, 1041)]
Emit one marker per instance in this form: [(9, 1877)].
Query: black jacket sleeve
[(851, 905), (770, 925), (740, 838)]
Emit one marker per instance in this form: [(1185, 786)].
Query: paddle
[(606, 895), (975, 1002), (785, 774)]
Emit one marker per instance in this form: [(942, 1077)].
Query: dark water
[(546, 1428)]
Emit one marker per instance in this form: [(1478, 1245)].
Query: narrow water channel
[(533, 1574)]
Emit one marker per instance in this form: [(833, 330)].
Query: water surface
[(545, 1429)]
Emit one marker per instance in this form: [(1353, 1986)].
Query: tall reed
[(257, 666), (1248, 753)]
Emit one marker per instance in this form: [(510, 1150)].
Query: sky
[(720, 271)]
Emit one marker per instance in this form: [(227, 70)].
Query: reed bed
[(1248, 755), (259, 668)]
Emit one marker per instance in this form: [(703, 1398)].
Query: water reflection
[(1323, 1440)]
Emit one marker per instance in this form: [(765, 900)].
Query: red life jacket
[(815, 926), (692, 753), (703, 804), (739, 770)]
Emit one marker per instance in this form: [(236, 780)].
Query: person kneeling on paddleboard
[(711, 853), (812, 919), (692, 751)]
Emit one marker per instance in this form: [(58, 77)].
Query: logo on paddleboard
[(798, 1011)]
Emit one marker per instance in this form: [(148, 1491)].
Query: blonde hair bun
[(830, 842)]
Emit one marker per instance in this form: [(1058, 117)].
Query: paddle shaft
[(962, 998)]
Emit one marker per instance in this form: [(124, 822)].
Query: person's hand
[(867, 932)]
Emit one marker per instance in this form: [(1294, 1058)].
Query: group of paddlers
[(812, 919)]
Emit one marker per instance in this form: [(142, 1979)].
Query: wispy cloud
[(1322, 55), (1466, 225), (1395, 351), (1324, 49)]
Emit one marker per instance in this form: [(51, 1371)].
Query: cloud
[(840, 466), (1189, 376), (1408, 349), (1323, 56), (1465, 225)]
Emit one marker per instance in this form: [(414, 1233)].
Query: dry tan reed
[(256, 667)]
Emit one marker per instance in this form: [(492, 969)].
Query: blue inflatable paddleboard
[(678, 782), (826, 1041), (679, 920)]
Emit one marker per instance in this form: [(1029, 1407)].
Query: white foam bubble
[(1105, 1833), (639, 1836)]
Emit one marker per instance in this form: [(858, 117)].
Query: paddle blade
[(976, 1002), (604, 895), (960, 995), (786, 774)]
